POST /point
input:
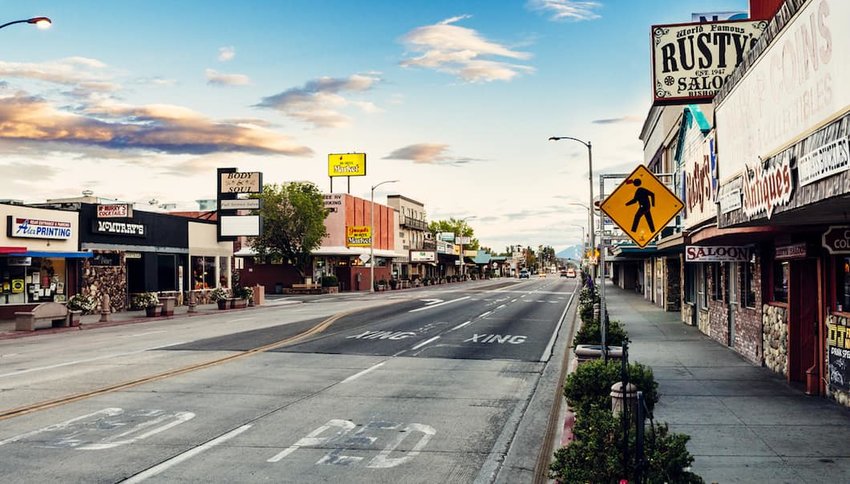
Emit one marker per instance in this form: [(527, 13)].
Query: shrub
[(219, 293), (329, 281), (82, 302), (145, 300), (243, 292), (591, 334), (590, 384), (596, 456)]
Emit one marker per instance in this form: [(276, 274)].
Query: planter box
[(74, 317), (238, 303), (153, 311), (585, 353), (222, 303), (168, 304), (330, 290)]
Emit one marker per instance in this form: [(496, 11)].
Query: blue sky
[(143, 100)]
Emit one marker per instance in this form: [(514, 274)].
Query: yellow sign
[(347, 164), (642, 206), (358, 236), (17, 286)]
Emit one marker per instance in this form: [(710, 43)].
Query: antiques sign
[(690, 62), (766, 188)]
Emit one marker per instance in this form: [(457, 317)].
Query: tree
[(293, 223), (457, 227)]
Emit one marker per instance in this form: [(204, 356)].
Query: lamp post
[(462, 223), (372, 235), (590, 183), (40, 22)]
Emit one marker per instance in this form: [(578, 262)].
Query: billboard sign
[(346, 164), (358, 236), (690, 62)]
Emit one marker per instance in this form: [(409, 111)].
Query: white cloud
[(320, 101), (462, 52), (567, 9), (216, 78), (226, 53), (427, 154)]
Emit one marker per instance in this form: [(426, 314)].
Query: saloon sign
[(691, 61), (694, 253)]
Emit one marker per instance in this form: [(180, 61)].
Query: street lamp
[(590, 183), (462, 223), (40, 22), (372, 236)]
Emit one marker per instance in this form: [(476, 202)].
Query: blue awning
[(65, 255)]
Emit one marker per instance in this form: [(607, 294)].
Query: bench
[(51, 312), (303, 289)]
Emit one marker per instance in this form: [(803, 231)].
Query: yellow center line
[(16, 412)]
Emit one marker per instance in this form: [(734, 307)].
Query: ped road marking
[(430, 306)]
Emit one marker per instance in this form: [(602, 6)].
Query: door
[(802, 318), (732, 298)]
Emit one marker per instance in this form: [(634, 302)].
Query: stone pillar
[(104, 308), (618, 399), (192, 302)]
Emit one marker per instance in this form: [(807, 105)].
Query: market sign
[(346, 164), (241, 182), (767, 186), (837, 239), (838, 341), (115, 210), (119, 228), (690, 62), (422, 256), (358, 236), (825, 161), (642, 206), (697, 253), (29, 228)]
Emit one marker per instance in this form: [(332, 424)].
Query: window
[(748, 283), (691, 283), (716, 286), (780, 281), (32, 279), (203, 272), (842, 284)]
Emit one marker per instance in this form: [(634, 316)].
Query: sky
[(142, 100)]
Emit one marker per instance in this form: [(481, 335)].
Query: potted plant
[(330, 284), (80, 304), (147, 300), (243, 295), (220, 296)]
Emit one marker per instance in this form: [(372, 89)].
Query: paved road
[(407, 386)]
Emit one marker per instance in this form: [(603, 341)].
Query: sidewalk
[(746, 424), (91, 321)]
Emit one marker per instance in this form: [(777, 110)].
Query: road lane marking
[(548, 350), (461, 325), (424, 343), (367, 370), (158, 469), (501, 306), (438, 304), (485, 314)]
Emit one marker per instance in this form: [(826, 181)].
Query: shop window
[(842, 284), (716, 286), (223, 271), (702, 286), (748, 284), (780, 281), (203, 272), (690, 283), (32, 280)]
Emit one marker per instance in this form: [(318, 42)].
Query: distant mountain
[(572, 252)]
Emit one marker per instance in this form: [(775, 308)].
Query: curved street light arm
[(34, 20)]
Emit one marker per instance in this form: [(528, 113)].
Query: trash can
[(278, 288)]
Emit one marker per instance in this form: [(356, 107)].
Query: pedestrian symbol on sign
[(644, 198)]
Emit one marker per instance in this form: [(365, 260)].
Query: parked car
[(523, 274)]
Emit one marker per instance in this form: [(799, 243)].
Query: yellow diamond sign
[(642, 206)]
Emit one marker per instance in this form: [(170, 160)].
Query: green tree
[(457, 227), (293, 223)]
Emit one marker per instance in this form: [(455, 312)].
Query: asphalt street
[(425, 385)]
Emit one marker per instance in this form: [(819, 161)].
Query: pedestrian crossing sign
[(641, 206)]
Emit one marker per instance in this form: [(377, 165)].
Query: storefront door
[(802, 319)]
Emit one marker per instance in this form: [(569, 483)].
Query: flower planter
[(152, 311), (74, 317), (238, 303), (222, 303)]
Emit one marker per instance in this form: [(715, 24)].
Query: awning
[(12, 250), (58, 255)]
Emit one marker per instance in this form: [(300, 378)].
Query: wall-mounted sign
[(105, 259), (690, 62), (29, 228), (119, 228), (446, 236), (332, 200), (827, 160), (838, 341), (793, 251), (115, 210), (729, 195), (701, 183), (240, 204), (837, 239), (767, 187), (19, 261), (239, 225), (17, 286), (696, 253), (422, 256), (463, 240), (358, 236), (242, 182), (132, 255), (346, 164)]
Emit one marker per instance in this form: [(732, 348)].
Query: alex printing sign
[(766, 188), (694, 253), (692, 61), (39, 229)]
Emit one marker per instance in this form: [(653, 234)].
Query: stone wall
[(775, 323), (749, 337), (112, 280)]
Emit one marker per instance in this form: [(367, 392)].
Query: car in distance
[(523, 274), (571, 273)]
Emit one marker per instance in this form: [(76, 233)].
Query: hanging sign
[(837, 239), (793, 251)]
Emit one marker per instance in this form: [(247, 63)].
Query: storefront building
[(782, 130), (39, 257), (413, 233)]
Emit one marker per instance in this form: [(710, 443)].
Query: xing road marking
[(367, 370), (438, 304), (393, 335), (159, 469), (424, 343), (496, 338)]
